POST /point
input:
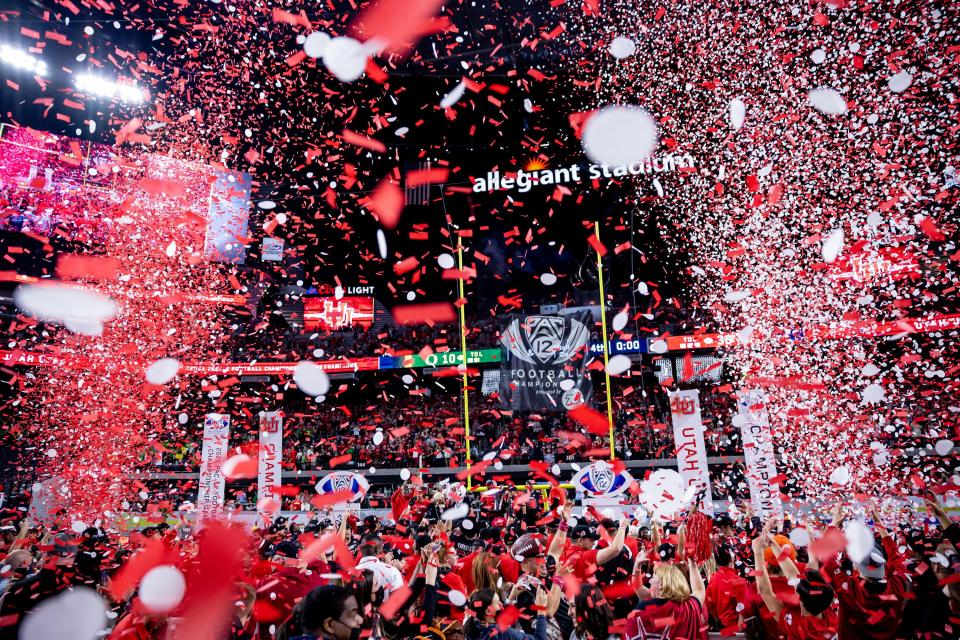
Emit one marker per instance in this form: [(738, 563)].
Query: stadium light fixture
[(20, 59), (104, 88)]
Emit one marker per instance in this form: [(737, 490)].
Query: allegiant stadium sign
[(523, 181)]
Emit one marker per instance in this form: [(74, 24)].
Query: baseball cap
[(527, 546), (874, 566), (584, 532), (64, 545), (287, 549), (722, 520)]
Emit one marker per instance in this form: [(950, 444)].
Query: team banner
[(691, 450), (543, 362), (216, 433), (761, 466), (270, 455)]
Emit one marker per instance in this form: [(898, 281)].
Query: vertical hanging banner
[(691, 451), (216, 433), (543, 363), (758, 454), (270, 456)]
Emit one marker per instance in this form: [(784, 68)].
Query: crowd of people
[(503, 564)]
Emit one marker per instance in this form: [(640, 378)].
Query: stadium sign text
[(522, 181)]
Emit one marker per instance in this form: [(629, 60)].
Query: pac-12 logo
[(549, 340)]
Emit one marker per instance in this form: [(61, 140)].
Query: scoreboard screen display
[(701, 369), (329, 313)]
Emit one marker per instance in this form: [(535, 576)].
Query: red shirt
[(797, 626), (724, 591), (865, 615), (584, 561), (658, 618), (754, 607)]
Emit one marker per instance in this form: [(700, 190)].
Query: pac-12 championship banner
[(543, 363), (758, 455), (691, 450), (216, 434), (270, 454)]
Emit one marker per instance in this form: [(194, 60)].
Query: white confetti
[(799, 537), (162, 589), (548, 279), (840, 476), (163, 370), (622, 47), (859, 540), (827, 101), (404, 474), (316, 43), (873, 394), (817, 56), (78, 614), (832, 245), (445, 260), (378, 438), (345, 58), (618, 364), (382, 244), (64, 303), (311, 379), (462, 510), (456, 598), (266, 205), (900, 82), (943, 447), (620, 135), (171, 249), (738, 113), (454, 96), (620, 321), (736, 296), (658, 346)]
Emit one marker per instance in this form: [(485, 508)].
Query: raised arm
[(790, 570), (763, 579), (560, 538), (697, 588)]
